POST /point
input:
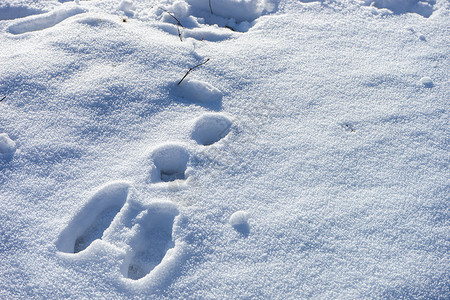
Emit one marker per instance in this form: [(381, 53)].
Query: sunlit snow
[(224, 149)]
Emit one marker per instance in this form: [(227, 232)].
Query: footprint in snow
[(143, 232), (9, 12), (44, 21), (199, 92), (210, 128), (151, 240), (7, 147), (169, 162), (94, 218), (193, 18)]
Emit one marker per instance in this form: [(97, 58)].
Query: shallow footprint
[(7, 147), (170, 161), (152, 239), (210, 128), (11, 12), (199, 91), (94, 218), (238, 15), (44, 21)]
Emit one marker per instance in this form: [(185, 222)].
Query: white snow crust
[(304, 155), (7, 145), (210, 128)]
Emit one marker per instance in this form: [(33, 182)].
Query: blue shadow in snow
[(176, 95), (243, 229)]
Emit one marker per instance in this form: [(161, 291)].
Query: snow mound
[(426, 82), (127, 7), (7, 145), (44, 21), (210, 128), (232, 15), (199, 91), (239, 10), (179, 9), (421, 7), (207, 34), (170, 161), (10, 12), (239, 221)]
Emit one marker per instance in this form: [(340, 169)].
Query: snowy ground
[(307, 158)]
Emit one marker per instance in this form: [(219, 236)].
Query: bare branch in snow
[(187, 73), (210, 7), (176, 19), (348, 127)]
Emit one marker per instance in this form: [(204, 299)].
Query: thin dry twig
[(176, 19), (210, 8), (3, 98), (347, 126), (187, 73)]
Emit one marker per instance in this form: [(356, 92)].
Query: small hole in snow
[(171, 176), (170, 161)]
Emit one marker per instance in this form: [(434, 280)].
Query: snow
[(151, 240), (307, 158), (239, 221), (422, 7), (426, 81), (210, 128), (44, 21), (170, 162), (239, 10), (7, 145), (94, 218), (198, 91), (8, 12), (127, 7)]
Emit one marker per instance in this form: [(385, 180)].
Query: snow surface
[(7, 146), (170, 162), (210, 128), (239, 220), (327, 122)]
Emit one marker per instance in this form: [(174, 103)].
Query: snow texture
[(199, 91), (152, 239), (426, 81), (170, 162), (94, 218), (422, 7), (44, 21), (127, 7), (7, 146), (210, 128), (308, 158), (239, 221), (239, 10)]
